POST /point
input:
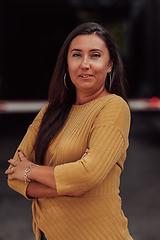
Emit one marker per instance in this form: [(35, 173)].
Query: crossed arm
[(42, 182)]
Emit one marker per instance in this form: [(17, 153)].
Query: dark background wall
[(145, 47), (32, 33)]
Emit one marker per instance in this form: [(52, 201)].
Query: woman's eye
[(96, 55), (76, 55)]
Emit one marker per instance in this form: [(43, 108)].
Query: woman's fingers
[(10, 170), (17, 168), (21, 156), (10, 173), (86, 152), (13, 162), (11, 177)]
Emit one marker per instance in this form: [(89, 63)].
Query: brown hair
[(61, 99)]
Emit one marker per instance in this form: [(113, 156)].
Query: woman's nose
[(85, 63)]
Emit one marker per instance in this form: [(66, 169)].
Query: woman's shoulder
[(114, 112), (114, 109), (113, 98), (114, 102), (36, 122), (41, 112)]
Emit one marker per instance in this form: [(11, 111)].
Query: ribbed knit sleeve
[(107, 143), (26, 146)]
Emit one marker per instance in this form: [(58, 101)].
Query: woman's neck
[(82, 98)]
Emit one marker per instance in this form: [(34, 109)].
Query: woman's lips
[(85, 75)]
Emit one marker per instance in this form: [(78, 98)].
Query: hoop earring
[(69, 89), (110, 80)]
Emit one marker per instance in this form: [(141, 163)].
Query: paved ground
[(140, 182)]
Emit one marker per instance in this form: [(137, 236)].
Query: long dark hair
[(61, 99)]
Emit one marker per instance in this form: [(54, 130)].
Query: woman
[(70, 160)]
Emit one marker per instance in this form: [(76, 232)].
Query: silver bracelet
[(27, 171)]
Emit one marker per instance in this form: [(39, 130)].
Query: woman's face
[(88, 63)]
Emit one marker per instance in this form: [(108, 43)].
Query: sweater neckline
[(93, 101)]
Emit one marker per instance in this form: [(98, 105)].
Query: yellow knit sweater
[(101, 125)]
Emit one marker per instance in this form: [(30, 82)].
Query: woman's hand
[(43, 177), (19, 167), (85, 154)]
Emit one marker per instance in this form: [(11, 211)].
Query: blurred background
[(31, 35)]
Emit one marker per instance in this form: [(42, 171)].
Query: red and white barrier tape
[(152, 104), (21, 106)]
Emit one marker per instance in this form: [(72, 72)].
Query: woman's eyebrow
[(76, 49), (96, 49), (92, 50)]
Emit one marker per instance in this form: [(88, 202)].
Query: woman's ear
[(110, 65)]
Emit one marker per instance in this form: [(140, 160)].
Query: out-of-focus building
[(32, 33)]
